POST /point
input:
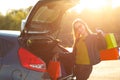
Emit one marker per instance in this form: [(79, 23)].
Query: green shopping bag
[(111, 41)]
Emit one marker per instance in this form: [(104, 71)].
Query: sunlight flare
[(115, 3), (91, 4), (96, 4)]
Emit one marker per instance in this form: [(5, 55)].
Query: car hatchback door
[(46, 16)]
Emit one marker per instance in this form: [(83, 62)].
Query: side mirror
[(23, 22)]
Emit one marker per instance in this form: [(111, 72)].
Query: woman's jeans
[(82, 72)]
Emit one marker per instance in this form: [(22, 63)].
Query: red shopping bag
[(54, 69), (109, 54)]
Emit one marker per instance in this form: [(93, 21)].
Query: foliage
[(12, 20)]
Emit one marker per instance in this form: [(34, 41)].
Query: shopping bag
[(111, 41), (109, 54), (54, 69)]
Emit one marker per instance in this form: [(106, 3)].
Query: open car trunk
[(39, 35), (42, 26)]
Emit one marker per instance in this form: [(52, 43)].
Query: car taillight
[(30, 61)]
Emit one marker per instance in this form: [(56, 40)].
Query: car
[(25, 54), (14, 64)]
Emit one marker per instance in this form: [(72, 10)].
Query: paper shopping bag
[(54, 69), (109, 54), (111, 41)]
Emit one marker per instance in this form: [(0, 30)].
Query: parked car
[(17, 63), (25, 55)]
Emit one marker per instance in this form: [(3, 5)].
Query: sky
[(6, 5)]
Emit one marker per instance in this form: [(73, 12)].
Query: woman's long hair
[(74, 30)]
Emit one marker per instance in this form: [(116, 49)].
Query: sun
[(96, 4), (91, 4)]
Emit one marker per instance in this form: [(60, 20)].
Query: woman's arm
[(101, 41)]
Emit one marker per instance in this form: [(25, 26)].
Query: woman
[(86, 49)]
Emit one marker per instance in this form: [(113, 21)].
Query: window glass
[(46, 15)]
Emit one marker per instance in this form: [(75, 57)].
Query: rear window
[(46, 15)]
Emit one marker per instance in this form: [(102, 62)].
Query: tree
[(12, 20)]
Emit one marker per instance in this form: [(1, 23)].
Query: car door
[(1, 53), (5, 47), (9, 64)]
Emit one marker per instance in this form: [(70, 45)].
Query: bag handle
[(55, 57)]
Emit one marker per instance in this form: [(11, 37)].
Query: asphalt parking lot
[(106, 70)]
